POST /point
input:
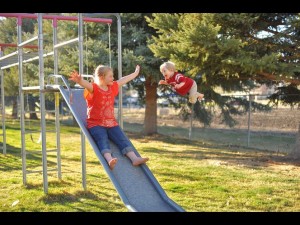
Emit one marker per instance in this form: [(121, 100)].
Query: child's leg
[(100, 136), (193, 93), (124, 144)]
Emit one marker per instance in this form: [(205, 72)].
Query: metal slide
[(136, 185)]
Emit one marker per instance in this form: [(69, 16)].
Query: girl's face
[(108, 78), (167, 73)]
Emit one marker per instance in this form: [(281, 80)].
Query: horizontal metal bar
[(56, 17), (39, 151), (66, 43), (38, 131), (26, 61), (15, 45), (28, 41), (37, 57), (9, 55), (39, 171)]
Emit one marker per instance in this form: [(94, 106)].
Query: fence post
[(249, 121)]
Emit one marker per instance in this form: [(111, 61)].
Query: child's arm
[(126, 79), (177, 86), (76, 77), (163, 82)]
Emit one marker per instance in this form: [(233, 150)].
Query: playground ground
[(199, 175)]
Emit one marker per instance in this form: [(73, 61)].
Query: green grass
[(199, 175)]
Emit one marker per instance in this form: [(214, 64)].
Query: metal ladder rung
[(31, 112), (50, 111), (52, 150), (39, 171), (38, 131), (32, 131), (39, 151), (47, 111), (33, 152)]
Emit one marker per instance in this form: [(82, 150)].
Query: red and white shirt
[(100, 106), (178, 78)]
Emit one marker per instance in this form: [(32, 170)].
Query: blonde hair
[(168, 65), (101, 70)]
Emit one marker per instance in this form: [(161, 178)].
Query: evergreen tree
[(229, 51)]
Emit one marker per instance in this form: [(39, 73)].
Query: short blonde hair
[(168, 65), (101, 70)]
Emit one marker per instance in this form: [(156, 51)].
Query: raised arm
[(126, 79), (76, 77)]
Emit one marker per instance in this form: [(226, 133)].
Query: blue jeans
[(102, 135)]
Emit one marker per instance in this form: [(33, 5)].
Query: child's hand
[(137, 69), (162, 82), (75, 76)]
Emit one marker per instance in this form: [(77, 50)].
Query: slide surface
[(137, 186)]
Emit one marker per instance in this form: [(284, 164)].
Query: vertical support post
[(120, 118), (56, 96), (249, 120), (21, 96), (83, 151), (42, 101), (3, 109), (191, 122)]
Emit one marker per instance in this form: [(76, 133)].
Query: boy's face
[(167, 73)]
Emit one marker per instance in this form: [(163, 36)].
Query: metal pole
[(42, 101), (56, 95), (3, 110), (120, 69), (21, 96), (249, 121), (191, 122), (83, 152)]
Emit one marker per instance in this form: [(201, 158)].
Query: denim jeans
[(102, 135)]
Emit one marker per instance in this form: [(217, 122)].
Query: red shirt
[(177, 78), (100, 106)]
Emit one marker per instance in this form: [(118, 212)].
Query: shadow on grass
[(224, 154), (58, 183), (82, 197), (12, 159)]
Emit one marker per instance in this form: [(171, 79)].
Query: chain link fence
[(273, 130)]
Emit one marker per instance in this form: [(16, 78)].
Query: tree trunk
[(150, 121), (14, 113), (31, 106), (295, 153)]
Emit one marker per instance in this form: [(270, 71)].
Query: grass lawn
[(199, 175)]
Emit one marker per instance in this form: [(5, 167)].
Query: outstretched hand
[(75, 76), (162, 82), (137, 69)]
